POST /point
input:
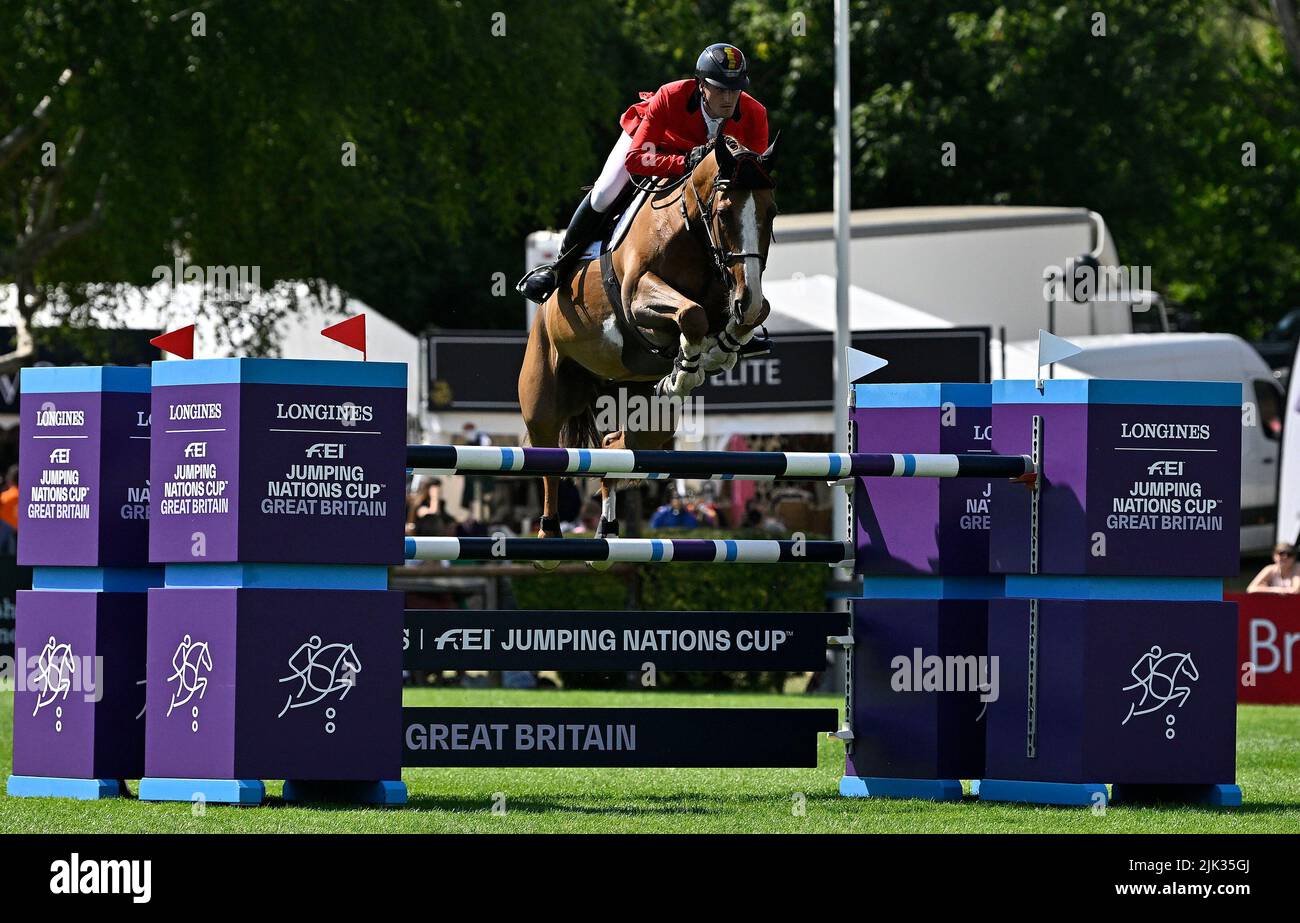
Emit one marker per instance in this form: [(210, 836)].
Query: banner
[(606, 737), (1268, 636), (479, 370), (455, 639), (12, 579)]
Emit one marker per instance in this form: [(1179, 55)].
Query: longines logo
[(194, 412), (48, 415), (1164, 431), (345, 413)]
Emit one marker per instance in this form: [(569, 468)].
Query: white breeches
[(613, 177)]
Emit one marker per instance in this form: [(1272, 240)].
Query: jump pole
[(668, 463), (630, 550)]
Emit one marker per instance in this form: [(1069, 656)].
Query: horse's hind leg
[(538, 402), (554, 394)]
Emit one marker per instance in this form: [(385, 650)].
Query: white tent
[(805, 303)]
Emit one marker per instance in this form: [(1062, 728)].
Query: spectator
[(1281, 575), (9, 498), (673, 515), (9, 513), (428, 515), (704, 512)]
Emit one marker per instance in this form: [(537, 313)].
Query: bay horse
[(686, 282)]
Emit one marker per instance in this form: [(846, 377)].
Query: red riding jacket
[(665, 126)]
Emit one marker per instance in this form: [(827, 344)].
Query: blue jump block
[(1216, 796), (215, 791), (923, 789), (55, 787), (311, 792), (1068, 794)]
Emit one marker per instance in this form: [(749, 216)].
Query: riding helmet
[(723, 66)]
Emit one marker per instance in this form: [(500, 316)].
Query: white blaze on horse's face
[(750, 243), (748, 229)]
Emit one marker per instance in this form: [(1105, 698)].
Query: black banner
[(68, 345), (480, 370), (12, 579), (458, 639), (609, 737)]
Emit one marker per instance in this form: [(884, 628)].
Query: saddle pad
[(619, 231)]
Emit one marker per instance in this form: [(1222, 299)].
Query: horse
[(686, 282)]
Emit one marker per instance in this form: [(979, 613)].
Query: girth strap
[(613, 293)]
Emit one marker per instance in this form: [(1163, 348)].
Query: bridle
[(718, 255)]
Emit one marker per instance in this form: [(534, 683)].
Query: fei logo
[(465, 639), (1171, 469), (1157, 675)]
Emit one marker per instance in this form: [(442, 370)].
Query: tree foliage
[(224, 133)]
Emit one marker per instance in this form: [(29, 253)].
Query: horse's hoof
[(608, 528)]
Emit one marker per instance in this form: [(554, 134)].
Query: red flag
[(351, 333), (177, 342)]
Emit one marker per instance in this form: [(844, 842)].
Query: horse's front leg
[(654, 295), (723, 350)]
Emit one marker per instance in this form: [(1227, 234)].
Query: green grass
[(680, 800)]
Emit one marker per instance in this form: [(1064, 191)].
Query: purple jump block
[(1128, 691), (79, 704), (916, 699), (83, 463), (922, 525), (1139, 478), (274, 684), (278, 461)]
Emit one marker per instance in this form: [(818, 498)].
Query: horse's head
[(349, 661), (738, 207)]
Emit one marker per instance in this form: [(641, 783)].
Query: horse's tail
[(579, 431)]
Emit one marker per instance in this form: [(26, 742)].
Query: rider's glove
[(695, 156)]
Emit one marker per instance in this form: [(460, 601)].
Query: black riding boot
[(583, 228)]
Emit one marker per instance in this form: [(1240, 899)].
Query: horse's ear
[(768, 157), (726, 160)]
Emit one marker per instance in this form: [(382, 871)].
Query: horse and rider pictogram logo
[(53, 678), (1162, 679), (320, 670), (190, 659)]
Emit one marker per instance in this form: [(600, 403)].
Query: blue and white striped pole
[(666, 463), (629, 550)]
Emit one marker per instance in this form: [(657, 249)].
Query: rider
[(665, 134)]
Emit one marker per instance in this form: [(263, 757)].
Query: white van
[(1192, 357)]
